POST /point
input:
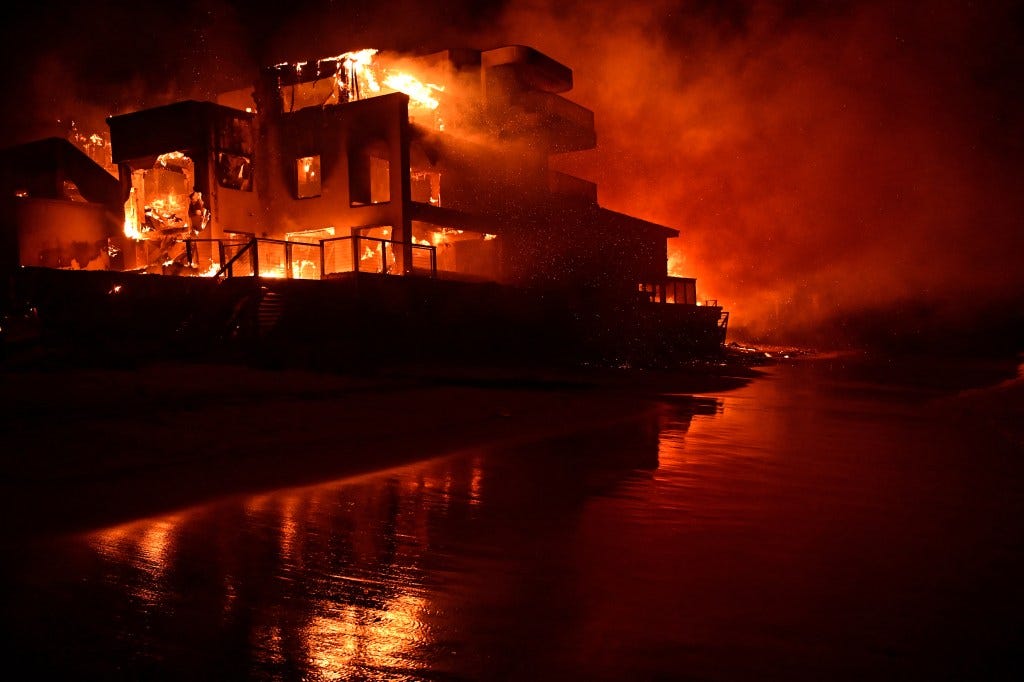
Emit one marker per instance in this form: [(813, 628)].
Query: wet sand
[(826, 521), (85, 448)]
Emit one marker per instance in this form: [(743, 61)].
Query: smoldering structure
[(361, 203)]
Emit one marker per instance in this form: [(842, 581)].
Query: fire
[(146, 215), (358, 75), (132, 225), (441, 236), (211, 271), (357, 68), (305, 269), (421, 93), (307, 168), (96, 145), (675, 265), (163, 159)]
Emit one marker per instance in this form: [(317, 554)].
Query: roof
[(40, 167)]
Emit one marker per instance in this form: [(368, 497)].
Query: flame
[(358, 64), (163, 159), (358, 75), (132, 226), (440, 236), (305, 269), (307, 167), (675, 265), (419, 92), (211, 271)]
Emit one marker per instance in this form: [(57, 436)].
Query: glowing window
[(307, 170), (234, 171)]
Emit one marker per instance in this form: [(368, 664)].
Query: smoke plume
[(822, 163)]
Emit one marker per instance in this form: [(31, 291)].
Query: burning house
[(417, 192)]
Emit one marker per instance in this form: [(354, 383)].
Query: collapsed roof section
[(511, 92)]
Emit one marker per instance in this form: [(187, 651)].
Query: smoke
[(86, 61), (824, 162), (820, 162)]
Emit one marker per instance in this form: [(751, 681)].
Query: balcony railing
[(370, 254), (677, 290), (275, 258)]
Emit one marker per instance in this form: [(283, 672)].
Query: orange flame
[(419, 92)]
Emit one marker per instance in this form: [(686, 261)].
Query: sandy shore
[(83, 448)]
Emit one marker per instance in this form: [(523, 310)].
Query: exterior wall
[(60, 234), (56, 206), (233, 210), (335, 134), (200, 130), (500, 184), (497, 179), (576, 249)]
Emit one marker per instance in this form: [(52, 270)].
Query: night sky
[(831, 166)]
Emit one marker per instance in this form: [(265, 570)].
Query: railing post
[(220, 254), (433, 262), (288, 260), (355, 253), (322, 259), (383, 257), (255, 256)]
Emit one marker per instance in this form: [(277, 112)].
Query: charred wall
[(65, 234), (220, 142), (343, 140)]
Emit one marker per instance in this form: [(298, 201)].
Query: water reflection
[(799, 528), (357, 578), (139, 554)]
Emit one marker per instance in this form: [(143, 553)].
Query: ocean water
[(830, 520)]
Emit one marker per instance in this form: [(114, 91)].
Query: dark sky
[(820, 159), (93, 59)]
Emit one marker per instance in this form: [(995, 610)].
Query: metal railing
[(277, 258), (371, 254), (251, 262), (208, 256)]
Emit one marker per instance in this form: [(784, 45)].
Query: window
[(234, 171), (369, 174), (426, 187), (160, 195), (307, 171)]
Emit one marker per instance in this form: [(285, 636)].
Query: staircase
[(269, 312)]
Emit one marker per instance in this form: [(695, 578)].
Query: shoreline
[(87, 448)]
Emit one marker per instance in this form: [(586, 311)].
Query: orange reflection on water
[(683, 416), (343, 641), (146, 546), (289, 527), (476, 482)]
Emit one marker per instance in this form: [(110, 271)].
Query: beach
[(91, 446)]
